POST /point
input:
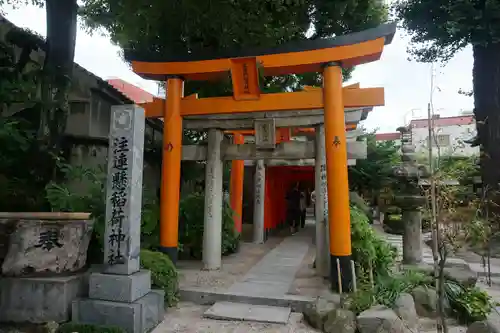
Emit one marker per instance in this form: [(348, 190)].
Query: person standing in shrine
[(293, 208), (303, 207)]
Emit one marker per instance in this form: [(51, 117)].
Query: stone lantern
[(408, 197)]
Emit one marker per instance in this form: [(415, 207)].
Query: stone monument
[(409, 198), (42, 256), (121, 294)]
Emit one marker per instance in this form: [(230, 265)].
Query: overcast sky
[(407, 84)]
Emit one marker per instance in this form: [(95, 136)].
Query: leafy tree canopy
[(374, 172), (440, 28)]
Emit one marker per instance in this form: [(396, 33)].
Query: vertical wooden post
[(171, 168), (337, 182), (236, 189)]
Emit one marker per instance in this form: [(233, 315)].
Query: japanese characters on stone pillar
[(124, 191), (212, 239), (259, 197), (321, 205), (121, 295)]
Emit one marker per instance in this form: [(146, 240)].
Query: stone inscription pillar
[(322, 252), (118, 295), (124, 191), (259, 198), (212, 234)]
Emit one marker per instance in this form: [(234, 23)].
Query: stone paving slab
[(259, 289), (247, 312), (480, 270), (274, 274), (188, 318)]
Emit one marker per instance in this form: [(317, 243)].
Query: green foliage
[(20, 180), (19, 76), (191, 220), (368, 249), (83, 189), (468, 304), (374, 172), (387, 289), (440, 28), (87, 328), (163, 274), (462, 169)]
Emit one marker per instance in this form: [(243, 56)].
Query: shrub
[(368, 249), (163, 274), (468, 304), (87, 328), (387, 289), (191, 220), (90, 196)]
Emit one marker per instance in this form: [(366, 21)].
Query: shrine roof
[(294, 57)]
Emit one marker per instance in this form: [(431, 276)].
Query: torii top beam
[(302, 100), (290, 58)]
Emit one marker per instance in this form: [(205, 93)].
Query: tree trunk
[(58, 70), (486, 84)]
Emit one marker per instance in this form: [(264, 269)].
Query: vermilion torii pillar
[(339, 218), (325, 56), (236, 187), (171, 166)]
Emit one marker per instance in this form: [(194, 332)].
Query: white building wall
[(451, 140)]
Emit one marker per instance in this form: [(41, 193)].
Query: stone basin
[(43, 243)]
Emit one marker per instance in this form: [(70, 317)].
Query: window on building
[(78, 119), (441, 140), (77, 107)]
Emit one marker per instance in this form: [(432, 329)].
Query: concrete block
[(119, 288), (137, 317), (153, 310), (40, 299), (247, 312), (161, 301), (96, 312)]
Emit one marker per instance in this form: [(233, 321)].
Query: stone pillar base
[(124, 301), (40, 299)]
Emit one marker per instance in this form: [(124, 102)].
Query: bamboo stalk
[(339, 276), (354, 282), (370, 274)]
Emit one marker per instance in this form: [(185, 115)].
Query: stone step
[(480, 270), (297, 303), (248, 312)]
